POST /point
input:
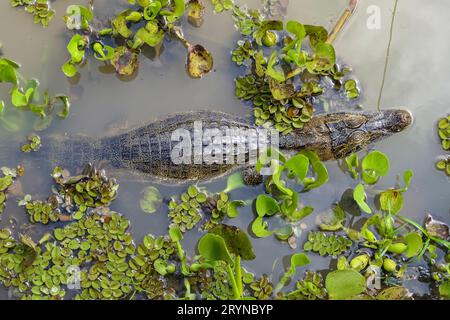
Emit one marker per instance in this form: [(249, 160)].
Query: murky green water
[(417, 78)]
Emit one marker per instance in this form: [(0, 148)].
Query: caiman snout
[(400, 119)]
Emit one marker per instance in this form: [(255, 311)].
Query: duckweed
[(311, 287), (444, 132)]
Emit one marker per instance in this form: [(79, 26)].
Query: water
[(416, 78)]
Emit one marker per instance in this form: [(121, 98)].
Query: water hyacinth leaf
[(7, 73), (316, 34), (199, 61), (276, 177), (284, 233), (391, 201), (125, 61), (196, 10), (271, 71), (266, 206), (359, 195), (69, 69), (175, 234), (407, 177), (264, 27), (212, 247), (75, 47), (236, 241), (298, 260), (324, 59), (415, 244), (151, 200), (151, 35), (318, 168), (281, 90), (352, 162), (298, 215), (151, 10), (259, 228), (394, 293), (444, 289), (374, 166), (298, 166), (178, 11), (297, 29), (119, 24), (102, 52), (333, 221), (344, 284), (232, 206), (234, 181)]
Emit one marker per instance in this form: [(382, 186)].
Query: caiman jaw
[(357, 130)]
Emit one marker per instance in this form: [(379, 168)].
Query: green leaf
[(271, 72), (119, 24), (234, 182), (415, 244), (259, 228), (266, 206), (391, 201), (276, 178), (151, 35), (318, 168), (266, 26), (298, 260), (212, 247), (352, 162), (374, 166), (69, 69), (175, 234), (151, 200), (298, 166), (75, 47), (236, 241), (407, 177), (344, 284), (444, 289), (297, 29), (324, 59), (284, 233), (333, 221), (359, 195), (232, 206), (7, 73), (316, 34)]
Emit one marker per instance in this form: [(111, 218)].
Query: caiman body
[(147, 150)]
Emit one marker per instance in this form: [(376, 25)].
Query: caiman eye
[(356, 122), (357, 137)]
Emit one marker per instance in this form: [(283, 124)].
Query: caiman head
[(350, 132)]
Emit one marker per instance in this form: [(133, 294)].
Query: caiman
[(147, 150)]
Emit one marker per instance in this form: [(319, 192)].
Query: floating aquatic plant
[(25, 94), (143, 24), (325, 244), (6, 181), (34, 143), (40, 9), (282, 85)]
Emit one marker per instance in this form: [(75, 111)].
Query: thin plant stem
[(388, 51), (236, 294), (237, 266)]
